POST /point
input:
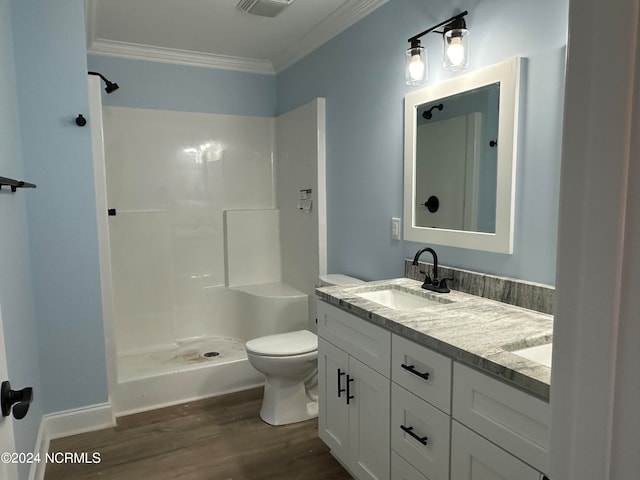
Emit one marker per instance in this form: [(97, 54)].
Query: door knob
[(18, 399), (432, 204)]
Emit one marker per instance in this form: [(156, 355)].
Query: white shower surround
[(171, 175)]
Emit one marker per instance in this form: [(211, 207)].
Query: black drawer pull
[(349, 396), (412, 369), (340, 389), (409, 430)]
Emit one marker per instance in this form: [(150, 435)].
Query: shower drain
[(210, 354)]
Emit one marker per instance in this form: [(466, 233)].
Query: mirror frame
[(501, 241)]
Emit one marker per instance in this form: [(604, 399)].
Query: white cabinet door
[(475, 458), (369, 436), (333, 415), (510, 418)]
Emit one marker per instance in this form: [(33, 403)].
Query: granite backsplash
[(533, 296)]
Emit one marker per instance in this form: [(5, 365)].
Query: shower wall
[(170, 176)]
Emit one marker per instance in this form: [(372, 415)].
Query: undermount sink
[(540, 353), (402, 300)]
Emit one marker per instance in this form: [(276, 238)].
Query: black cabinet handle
[(349, 396), (409, 430), (340, 389), (412, 369)]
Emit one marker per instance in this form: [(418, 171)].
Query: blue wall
[(361, 74), (51, 66), (186, 89), (16, 295)]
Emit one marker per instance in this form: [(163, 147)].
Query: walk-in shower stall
[(193, 210)]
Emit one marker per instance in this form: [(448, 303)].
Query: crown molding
[(341, 19), (338, 21), (179, 57)]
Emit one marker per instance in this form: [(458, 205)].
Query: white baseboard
[(42, 447), (80, 420), (64, 424)]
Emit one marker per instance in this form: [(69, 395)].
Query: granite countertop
[(472, 330)]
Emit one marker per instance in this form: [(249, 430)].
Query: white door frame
[(104, 249), (8, 471), (595, 383)]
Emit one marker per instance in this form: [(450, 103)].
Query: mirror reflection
[(456, 161)]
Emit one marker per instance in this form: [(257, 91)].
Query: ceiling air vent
[(264, 8)]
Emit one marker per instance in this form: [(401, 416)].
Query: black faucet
[(434, 284)]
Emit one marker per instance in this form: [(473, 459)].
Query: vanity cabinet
[(354, 398), (390, 408)]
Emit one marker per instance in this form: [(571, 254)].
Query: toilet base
[(286, 402)]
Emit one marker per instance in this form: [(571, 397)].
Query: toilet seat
[(283, 344)]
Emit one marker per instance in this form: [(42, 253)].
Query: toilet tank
[(338, 279)]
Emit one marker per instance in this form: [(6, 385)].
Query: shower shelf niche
[(14, 184)]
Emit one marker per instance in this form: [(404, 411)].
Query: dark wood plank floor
[(221, 438)]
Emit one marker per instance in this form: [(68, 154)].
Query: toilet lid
[(284, 344)]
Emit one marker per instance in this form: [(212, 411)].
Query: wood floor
[(215, 439)]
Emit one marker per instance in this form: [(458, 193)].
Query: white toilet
[(289, 362)]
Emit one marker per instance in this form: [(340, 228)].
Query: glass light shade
[(456, 49), (416, 72)]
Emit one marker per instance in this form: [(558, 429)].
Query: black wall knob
[(18, 399), (81, 121)]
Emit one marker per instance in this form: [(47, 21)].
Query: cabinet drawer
[(475, 458), (426, 445), (512, 419), (425, 372), (361, 339), (401, 470)]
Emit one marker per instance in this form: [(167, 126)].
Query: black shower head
[(110, 86), (427, 113)]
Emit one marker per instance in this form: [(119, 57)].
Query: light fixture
[(456, 50)]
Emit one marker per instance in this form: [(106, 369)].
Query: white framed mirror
[(460, 157)]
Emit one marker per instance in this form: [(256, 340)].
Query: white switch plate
[(395, 228)]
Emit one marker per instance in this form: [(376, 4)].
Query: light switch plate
[(395, 228)]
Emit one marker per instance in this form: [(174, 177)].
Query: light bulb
[(455, 51), (416, 67)]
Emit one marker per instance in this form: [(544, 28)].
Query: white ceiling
[(214, 33)]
